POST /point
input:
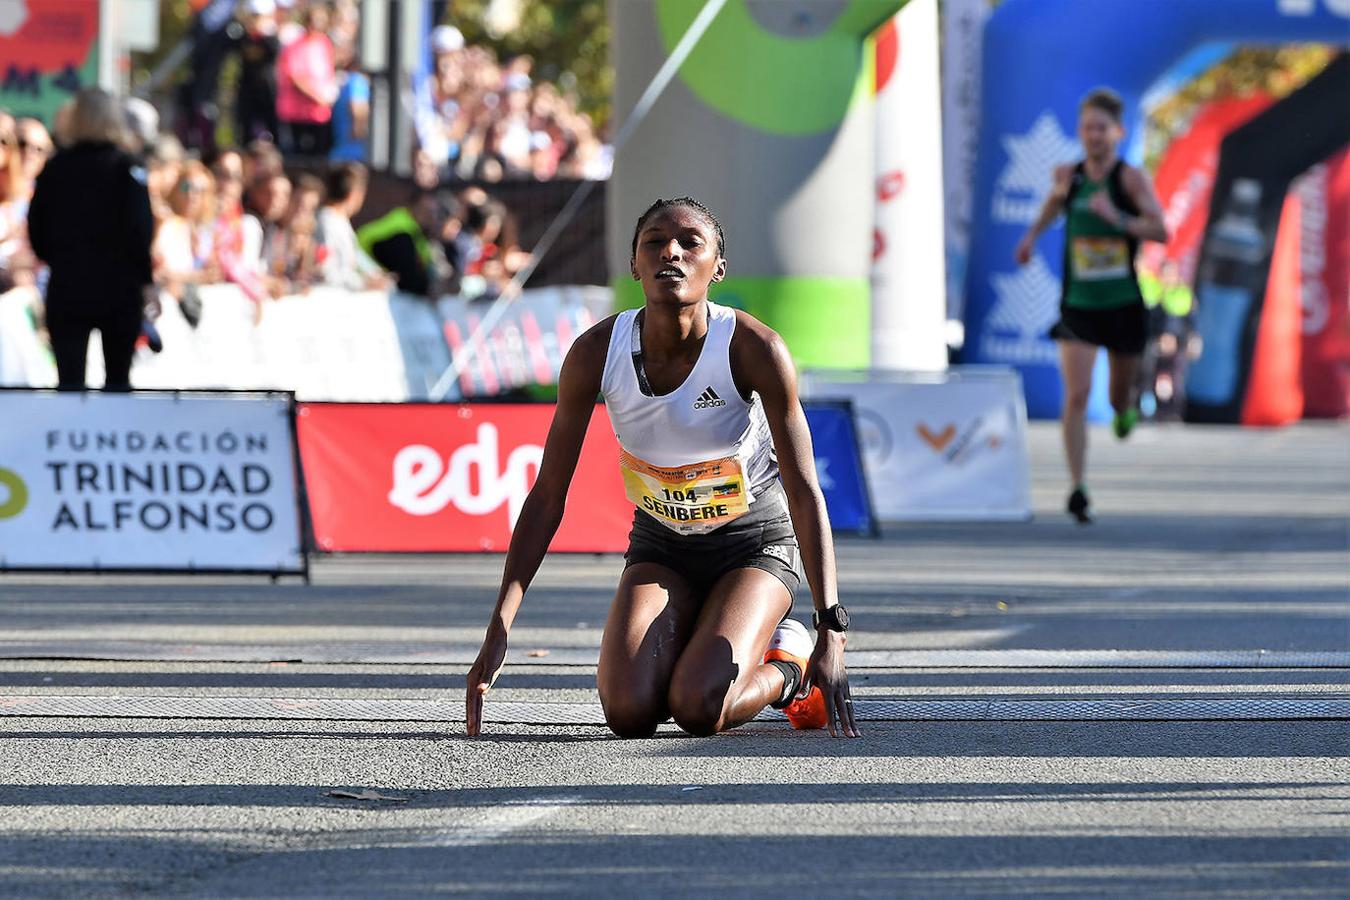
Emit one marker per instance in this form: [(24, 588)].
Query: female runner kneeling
[(703, 401)]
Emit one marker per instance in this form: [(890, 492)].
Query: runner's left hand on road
[(828, 674), (482, 675)]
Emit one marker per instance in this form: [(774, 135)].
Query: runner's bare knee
[(1076, 400), (628, 719), (697, 708)]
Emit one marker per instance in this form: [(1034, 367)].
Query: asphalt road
[(1212, 545)]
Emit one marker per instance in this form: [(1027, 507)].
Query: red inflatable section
[(887, 53), (1326, 290), (1301, 364), (1185, 180), (1274, 388)]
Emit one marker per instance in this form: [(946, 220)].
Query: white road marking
[(494, 823)]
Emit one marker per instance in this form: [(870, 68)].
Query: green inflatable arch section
[(790, 86), (824, 321)]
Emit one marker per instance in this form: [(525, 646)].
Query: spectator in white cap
[(446, 39), (436, 104), (289, 14), (512, 130), (142, 123)]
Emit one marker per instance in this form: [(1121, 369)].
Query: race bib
[(1100, 258), (692, 499)]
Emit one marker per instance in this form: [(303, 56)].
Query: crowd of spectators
[(236, 216), (475, 116), (480, 119), (274, 214), (297, 83)]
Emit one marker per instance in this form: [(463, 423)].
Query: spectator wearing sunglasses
[(35, 148), (16, 261), (183, 249), (228, 230)]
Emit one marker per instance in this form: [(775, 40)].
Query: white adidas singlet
[(693, 459)]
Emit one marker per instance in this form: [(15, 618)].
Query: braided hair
[(690, 203)]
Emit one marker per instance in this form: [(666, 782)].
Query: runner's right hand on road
[(482, 675)]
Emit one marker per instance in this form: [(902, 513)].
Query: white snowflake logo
[(13, 13), (823, 473), (1028, 300), (1029, 174), (1032, 156)]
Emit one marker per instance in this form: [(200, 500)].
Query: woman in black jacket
[(90, 222)]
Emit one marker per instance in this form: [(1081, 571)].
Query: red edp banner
[(442, 477)]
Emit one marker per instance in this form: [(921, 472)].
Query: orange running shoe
[(791, 642)]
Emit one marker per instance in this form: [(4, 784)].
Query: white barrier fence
[(24, 360), (328, 344), (938, 446)]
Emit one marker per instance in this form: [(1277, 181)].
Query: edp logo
[(424, 485)]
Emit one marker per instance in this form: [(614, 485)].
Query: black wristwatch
[(835, 618)]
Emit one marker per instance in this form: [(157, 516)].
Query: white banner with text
[(148, 481)]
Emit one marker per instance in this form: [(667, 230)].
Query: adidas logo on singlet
[(708, 399)]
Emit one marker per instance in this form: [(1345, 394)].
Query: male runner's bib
[(696, 458)]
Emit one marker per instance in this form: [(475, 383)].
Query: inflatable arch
[(1250, 361), (1040, 58), (770, 124)]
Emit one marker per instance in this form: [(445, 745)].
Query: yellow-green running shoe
[(1123, 423)]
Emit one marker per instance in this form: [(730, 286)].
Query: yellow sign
[(17, 492), (1100, 258), (692, 499)]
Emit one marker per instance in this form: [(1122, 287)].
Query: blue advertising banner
[(839, 466)]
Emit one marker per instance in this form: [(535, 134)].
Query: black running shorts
[(1120, 330), (760, 539)]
